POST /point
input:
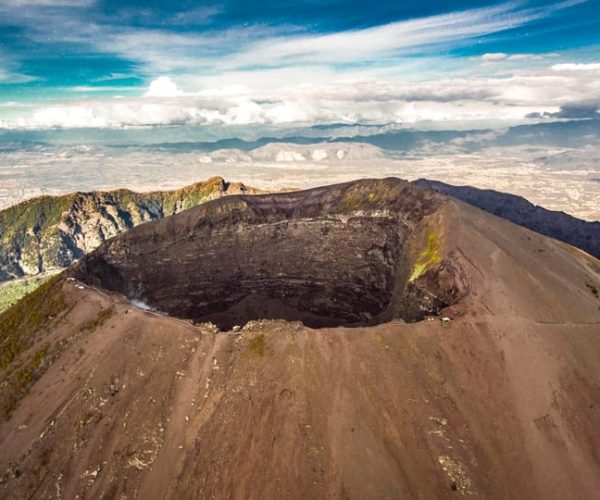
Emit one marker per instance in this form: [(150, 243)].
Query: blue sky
[(115, 63)]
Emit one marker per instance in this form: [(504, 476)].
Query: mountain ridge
[(556, 224), (48, 233)]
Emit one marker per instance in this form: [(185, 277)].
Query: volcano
[(371, 339)]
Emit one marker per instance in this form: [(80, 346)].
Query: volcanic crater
[(354, 254)]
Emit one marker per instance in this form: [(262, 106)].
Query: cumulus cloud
[(111, 114), (287, 74), (163, 86), (527, 94)]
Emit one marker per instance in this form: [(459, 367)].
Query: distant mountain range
[(558, 225), (391, 137), (570, 134)]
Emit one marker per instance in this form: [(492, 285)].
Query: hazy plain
[(556, 178)]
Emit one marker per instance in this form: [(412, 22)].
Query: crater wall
[(340, 255)]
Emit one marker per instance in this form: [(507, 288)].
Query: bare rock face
[(348, 254)]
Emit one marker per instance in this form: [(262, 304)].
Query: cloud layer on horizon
[(196, 71), (558, 91)]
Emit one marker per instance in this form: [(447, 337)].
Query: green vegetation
[(20, 381), (34, 311), (258, 345), (84, 419), (21, 325), (352, 200), (428, 258), (357, 198), (35, 215), (193, 195), (93, 324), (12, 291)]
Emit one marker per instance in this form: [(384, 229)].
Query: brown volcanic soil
[(503, 402)]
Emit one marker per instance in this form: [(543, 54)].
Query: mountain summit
[(364, 340)]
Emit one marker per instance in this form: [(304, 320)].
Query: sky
[(430, 64)]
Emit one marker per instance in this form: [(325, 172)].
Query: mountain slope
[(49, 233), (103, 399), (559, 225)]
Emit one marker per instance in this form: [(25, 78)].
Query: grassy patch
[(36, 215), (12, 291), (352, 200), (428, 257), (258, 345), (18, 384), (21, 326), (373, 197), (84, 419), (33, 312), (98, 321)]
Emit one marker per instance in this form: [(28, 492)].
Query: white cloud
[(262, 46), (262, 74), (9, 72), (241, 47), (379, 41), (527, 93), (163, 86), (197, 15), (576, 67), (494, 57)]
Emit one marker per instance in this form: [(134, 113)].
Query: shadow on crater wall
[(242, 262)]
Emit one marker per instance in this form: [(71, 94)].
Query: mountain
[(290, 152), (559, 225), (48, 232), (329, 151), (380, 340), (564, 134), (567, 133)]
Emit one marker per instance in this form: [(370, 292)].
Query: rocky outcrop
[(355, 253), (559, 225), (47, 233)]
